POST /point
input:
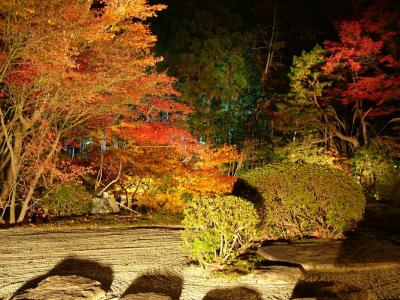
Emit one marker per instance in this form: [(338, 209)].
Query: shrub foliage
[(219, 229), (378, 174), (297, 200), (67, 199)]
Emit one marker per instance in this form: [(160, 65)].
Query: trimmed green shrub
[(67, 199), (297, 200), (219, 229)]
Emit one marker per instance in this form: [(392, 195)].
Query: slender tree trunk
[(7, 186), (32, 187), (8, 193), (12, 204), (16, 168), (271, 48), (4, 166), (364, 131), (35, 180), (350, 139)]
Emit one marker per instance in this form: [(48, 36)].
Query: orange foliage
[(72, 70), (67, 69), (211, 171), (164, 165)]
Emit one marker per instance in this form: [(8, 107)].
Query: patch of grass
[(165, 218)]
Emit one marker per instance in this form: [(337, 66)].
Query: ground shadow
[(328, 290), (160, 282), (246, 191), (237, 293), (265, 264), (76, 266), (371, 241), (380, 216), (368, 249)]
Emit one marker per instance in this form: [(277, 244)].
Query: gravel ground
[(121, 258), (384, 283), (116, 257)]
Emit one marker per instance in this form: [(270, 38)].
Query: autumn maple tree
[(350, 88), (65, 64), (367, 66)]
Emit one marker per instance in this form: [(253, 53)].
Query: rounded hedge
[(219, 229), (297, 200)]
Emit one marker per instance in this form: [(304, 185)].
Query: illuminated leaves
[(364, 63), (152, 133), (355, 50), (379, 89), (162, 164), (350, 89), (68, 71)]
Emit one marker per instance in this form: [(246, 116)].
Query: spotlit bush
[(219, 229), (297, 200), (378, 174)]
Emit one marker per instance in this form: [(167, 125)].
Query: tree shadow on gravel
[(329, 290), (159, 282), (76, 266), (237, 293)]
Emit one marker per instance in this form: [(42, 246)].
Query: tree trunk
[(15, 149), (28, 198), (7, 186), (364, 131), (16, 168), (12, 205), (34, 182), (350, 139)]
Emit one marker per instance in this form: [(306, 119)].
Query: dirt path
[(116, 256)]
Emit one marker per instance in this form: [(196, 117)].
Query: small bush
[(378, 174), (219, 229), (67, 199), (297, 200)]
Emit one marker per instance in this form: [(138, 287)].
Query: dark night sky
[(302, 23)]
